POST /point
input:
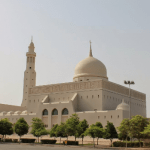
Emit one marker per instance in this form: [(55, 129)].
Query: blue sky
[(61, 30)]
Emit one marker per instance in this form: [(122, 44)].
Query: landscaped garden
[(130, 132)]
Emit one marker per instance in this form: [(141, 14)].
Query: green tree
[(124, 130), (110, 132), (82, 126), (5, 127), (60, 131), (100, 132), (38, 128), (98, 124), (72, 126), (123, 137), (53, 131), (146, 132), (137, 125), (21, 127), (93, 132)]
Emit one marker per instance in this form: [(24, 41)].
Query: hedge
[(48, 141), (7, 140), (70, 142), (147, 144), (27, 140), (129, 144), (15, 140)]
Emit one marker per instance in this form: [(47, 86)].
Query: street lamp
[(129, 82)]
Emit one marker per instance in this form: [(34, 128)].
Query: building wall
[(112, 99), (5, 107)]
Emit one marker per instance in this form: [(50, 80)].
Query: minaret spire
[(90, 53), (31, 38)]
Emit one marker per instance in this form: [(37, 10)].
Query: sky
[(61, 30)]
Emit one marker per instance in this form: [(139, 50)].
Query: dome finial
[(90, 54)]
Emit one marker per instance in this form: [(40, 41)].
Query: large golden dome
[(90, 67)]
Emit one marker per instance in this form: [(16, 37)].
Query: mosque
[(91, 95)]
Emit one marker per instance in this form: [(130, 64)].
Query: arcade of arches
[(54, 116)]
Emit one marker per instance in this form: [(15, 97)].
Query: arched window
[(55, 112), (45, 112), (65, 111)]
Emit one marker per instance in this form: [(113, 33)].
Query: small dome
[(90, 67), (123, 106), (10, 113), (4, 112), (17, 112), (24, 112)]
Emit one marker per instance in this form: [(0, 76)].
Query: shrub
[(7, 140), (15, 140), (129, 144), (27, 140), (48, 141), (147, 144), (70, 142)]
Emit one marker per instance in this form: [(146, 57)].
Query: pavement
[(17, 146), (23, 146)]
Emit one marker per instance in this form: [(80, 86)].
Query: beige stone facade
[(91, 95)]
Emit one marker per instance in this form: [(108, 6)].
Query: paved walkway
[(40, 147)]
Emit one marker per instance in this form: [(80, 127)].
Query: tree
[(146, 131), (5, 127), (98, 124), (100, 133), (82, 126), (38, 128), (60, 131), (21, 127), (123, 137), (110, 132), (53, 131), (72, 126), (124, 129), (137, 125), (93, 132)]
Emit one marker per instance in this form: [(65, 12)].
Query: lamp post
[(129, 82)]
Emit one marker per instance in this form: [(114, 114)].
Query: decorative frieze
[(76, 86)]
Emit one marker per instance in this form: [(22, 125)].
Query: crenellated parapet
[(78, 86)]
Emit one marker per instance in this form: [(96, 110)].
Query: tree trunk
[(82, 141), (19, 139), (93, 143), (97, 141), (126, 141), (3, 138), (75, 138), (38, 139), (60, 140), (140, 142), (111, 142)]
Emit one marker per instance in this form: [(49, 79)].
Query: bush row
[(147, 144), (70, 142), (129, 144), (43, 141), (48, 141)]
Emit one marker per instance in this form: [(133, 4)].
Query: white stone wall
[(112, 99)]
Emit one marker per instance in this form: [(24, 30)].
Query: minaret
[(29, 74)]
